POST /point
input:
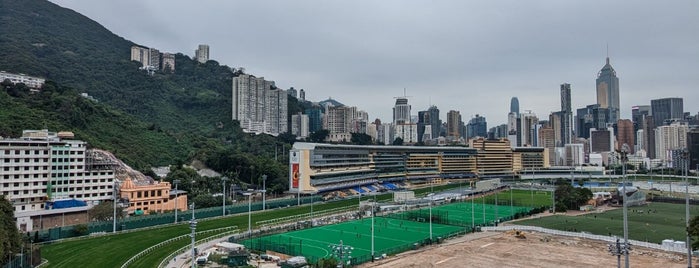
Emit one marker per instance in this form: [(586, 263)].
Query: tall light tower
[(223, 207), (342, 252), (114, 192), (193, 227), (372, 229), (431, 198), (264, 191), (249, 195), (685, 160), (624, 160), (176, 182)]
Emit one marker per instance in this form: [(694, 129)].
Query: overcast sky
[(458, 55)]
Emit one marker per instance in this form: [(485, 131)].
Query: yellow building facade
[(151, 198)]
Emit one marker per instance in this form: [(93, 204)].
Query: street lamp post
[(223, 181), (685, 160), (624, 160), (264, 191), (176, 182)]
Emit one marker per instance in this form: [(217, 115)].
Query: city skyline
[(449, 54)]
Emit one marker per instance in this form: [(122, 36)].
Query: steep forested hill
[(145, 120)]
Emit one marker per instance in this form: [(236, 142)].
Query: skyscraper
[(625, 134), (302, 95), (667, 109), (514, 105), (401, 111), (608, 92), (669, 138), (428, 124), (638, 112), (529, 129), (477, 127), (693, 146), (257, 106), (454, 124), (567, 114), (649, 136)]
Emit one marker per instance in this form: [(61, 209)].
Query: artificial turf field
[(390, 236), (653, 222)]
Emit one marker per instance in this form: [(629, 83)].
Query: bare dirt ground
[(499, 249)]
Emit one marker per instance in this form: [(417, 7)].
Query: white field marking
[(442, 261), (486, 245)]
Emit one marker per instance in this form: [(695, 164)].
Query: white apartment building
[(146, 56), (299, 125), (668, 138), (201, 54), (259, 106), (168, 62), (29, 81), (407, 132), (39, 168)]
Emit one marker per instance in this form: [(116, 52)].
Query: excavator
[(517, 233)]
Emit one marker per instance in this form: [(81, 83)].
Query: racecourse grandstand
[(318, 168)]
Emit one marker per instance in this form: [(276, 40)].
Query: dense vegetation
[(11, 241), (163, 119)]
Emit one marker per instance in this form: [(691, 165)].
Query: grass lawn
[(665, 221), (114, 250)]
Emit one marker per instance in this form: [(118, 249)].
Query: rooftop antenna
[(607, 52), (404, 95)]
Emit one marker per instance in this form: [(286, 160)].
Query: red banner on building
[(295, 175)]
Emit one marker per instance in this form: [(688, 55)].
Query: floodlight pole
[(511, 206), (223, 207), (431, 198), (176, 192), (114, 192), (264, 191), (685, 158), (473, 213), (372, 229), (249, 194), (624, 159), (193, 227)]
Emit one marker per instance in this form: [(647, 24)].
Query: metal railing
[(184, 249), (161, 244)]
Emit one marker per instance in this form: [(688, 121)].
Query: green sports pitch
[(653, 222), (390, 236), (393, 233)]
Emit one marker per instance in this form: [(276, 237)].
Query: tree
[(569, 197), (694, 231), (104, 211), (361, 139), (319, 136), (11, 239), (398, 141)]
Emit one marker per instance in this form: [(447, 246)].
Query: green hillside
[(145, 120)]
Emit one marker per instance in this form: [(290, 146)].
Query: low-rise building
[(147, 198)]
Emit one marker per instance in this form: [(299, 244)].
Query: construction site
[(526, 249)]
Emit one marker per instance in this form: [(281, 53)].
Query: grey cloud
[(461, 55)]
